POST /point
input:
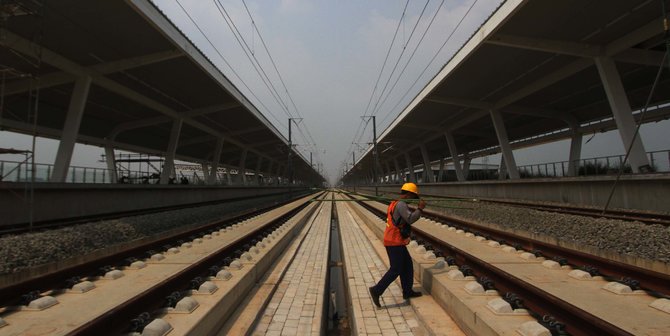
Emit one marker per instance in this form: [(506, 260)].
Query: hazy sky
[(329, 54)]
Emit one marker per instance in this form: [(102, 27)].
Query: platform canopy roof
[(145, 75), (534, 61)]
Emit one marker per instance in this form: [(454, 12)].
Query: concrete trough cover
[(157, 257), (494, 244), (185, 306), (113, 275), (224, 275), (500, 306), (82, 287), (550, 264), (138, 265), (236, 264), (533, 328), (617, 288), (246, 256), (157, 327), (439, 264), (662, 305), (455, 275), (474, 287), (42, 303), (508, 249), (579, 275), (207, 287), (528, 256)]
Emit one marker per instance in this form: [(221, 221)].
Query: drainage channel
[(337, 293)]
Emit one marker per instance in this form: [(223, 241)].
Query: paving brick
[(364, 269), (293, 307)]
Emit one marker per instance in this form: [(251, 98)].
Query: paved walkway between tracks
[(364, 268), (296, 306)]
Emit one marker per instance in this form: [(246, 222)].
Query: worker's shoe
[(375, 296), (411, 295)]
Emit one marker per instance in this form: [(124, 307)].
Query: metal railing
[(605, 165), (21, 171)]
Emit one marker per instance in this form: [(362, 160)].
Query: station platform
[(635, 192), (72, 201), (366, 262)]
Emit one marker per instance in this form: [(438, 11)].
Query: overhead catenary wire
[(228, 64), (402, 52), (309, 139), (446, 41), (252, 58), (409, 60)]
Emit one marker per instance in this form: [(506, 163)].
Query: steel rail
[(10, 295), (117, 320), (578, 321)]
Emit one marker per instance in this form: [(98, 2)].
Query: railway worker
[(398, 220)]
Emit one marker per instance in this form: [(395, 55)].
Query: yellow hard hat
[(411, 187)]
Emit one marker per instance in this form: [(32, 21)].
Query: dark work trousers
[(401, 265)]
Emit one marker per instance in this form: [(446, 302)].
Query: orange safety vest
[(392, 235)]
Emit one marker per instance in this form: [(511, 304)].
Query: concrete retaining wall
[(639, 192), (55, 201)]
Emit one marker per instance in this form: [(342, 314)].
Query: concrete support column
[(110, 160), (623, 115), (410, 168), (389, 172), (440, 172), (505, 147), (257, 174), (399, 176), (454, 156), (278, 174), (205, 172), (228, 177), (427, 169), (466, 166), (211, 178), (168, 167), (242, 170), (502, 168), (68, 139), (575, 153), (268, 172)]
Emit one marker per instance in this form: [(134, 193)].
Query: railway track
[(626, 215), (557, 314), (241, 235), (55, 224)]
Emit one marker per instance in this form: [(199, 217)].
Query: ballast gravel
[(32, 249), (651, 242)]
